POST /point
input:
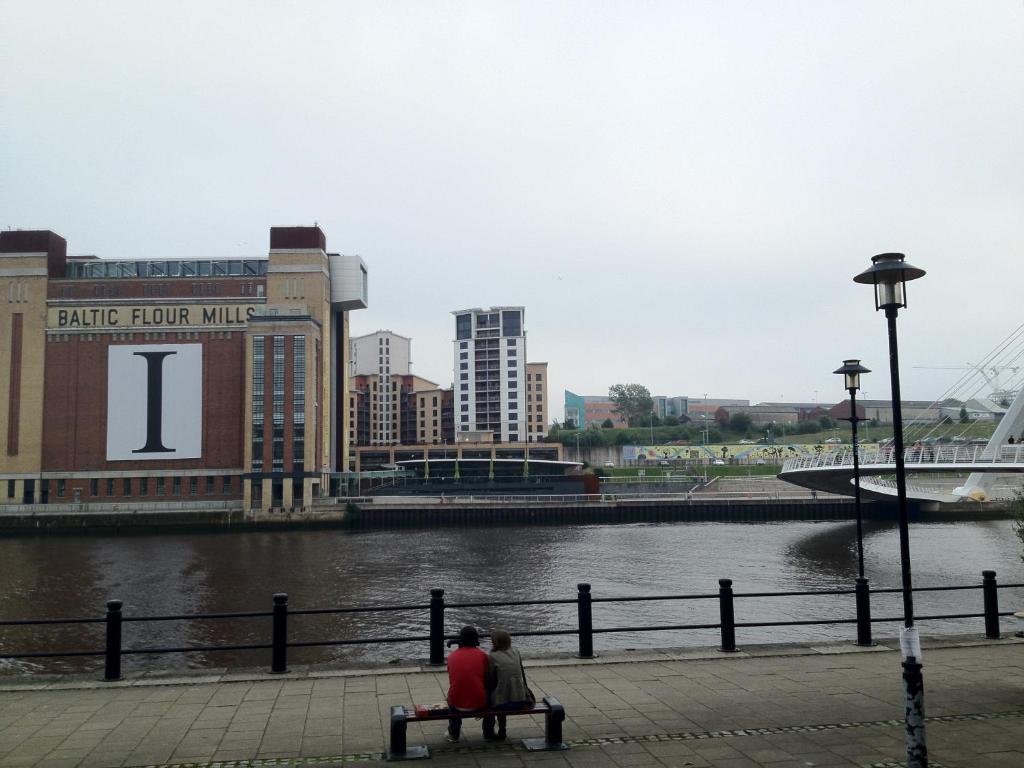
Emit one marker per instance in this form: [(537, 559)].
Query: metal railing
[(279, 642), (913, 456)]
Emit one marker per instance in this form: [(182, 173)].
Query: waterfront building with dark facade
[(176, 379)]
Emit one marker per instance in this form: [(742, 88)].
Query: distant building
[(760, 415), (592, 410), (490, 372), (382, 357), (536, 402), (670, 406)]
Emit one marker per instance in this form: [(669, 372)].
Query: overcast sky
[(678, 192)]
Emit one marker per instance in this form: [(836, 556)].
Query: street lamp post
[(851, 371), (889, 274)]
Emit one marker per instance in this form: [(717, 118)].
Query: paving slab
[(807, 707)]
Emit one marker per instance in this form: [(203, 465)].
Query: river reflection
[(49, 577)]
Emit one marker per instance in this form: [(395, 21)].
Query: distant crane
[(999, 393)]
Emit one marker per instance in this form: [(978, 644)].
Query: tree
[(739, 422), (607, 424), (633, 401), (569, 424), (964, 419), (671, 421)]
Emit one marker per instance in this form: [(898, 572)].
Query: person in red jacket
[(467, 670)]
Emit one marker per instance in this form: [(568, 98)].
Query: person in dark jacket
[(467, 672), (506, 683)]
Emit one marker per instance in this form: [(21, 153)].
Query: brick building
[(174, 380)]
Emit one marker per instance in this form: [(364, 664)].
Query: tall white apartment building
[(490, 373), (382, 355)]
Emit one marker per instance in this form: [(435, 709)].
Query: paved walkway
[(784, 707)]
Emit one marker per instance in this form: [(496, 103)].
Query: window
[(513, 438), (511, 363), (61, 487), (537, 377), (464, 398), (10, 489), (110, 486), (463, 326), (463, 344), (465, 408), (511, 323), (510, 342), (513, 384), (143, 486), (463, 355), (209, 485), (193, 486), (464, 387), (463, 366), (159, 486), (513, 416), (513, 374), (511, 353), (126, 487), (225, 486), (463, 377), (176, 486), (529, 377), (464, 420), (94, 488)]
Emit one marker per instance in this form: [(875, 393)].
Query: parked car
[(609, 464), (746, 442), (718, 462), (834, 440)]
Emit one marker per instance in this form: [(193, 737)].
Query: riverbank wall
[(427, 512)]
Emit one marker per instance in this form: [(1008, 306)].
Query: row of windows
[(126, 269), (140, 486)]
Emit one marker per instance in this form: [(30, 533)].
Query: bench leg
[(397, 748), (553, 719)]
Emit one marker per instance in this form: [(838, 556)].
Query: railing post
[(112, 666), (725, 609), (863, 594), (437, 627), (990, 591), (279, 649), (586, 621)]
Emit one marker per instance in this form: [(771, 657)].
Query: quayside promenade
[(780, 706)]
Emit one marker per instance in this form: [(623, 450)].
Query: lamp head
[(851, 371), (889, 273)]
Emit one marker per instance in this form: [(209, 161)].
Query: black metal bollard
[(584, 610), (112, 665), (725, 609), (990, 592), (279, 648), (437, 627), (863, 595)]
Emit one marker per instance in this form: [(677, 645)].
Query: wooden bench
[(401, 715)]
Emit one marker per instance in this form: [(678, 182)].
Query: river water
[(64, 576)]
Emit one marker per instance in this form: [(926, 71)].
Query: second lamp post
[(851, 371)]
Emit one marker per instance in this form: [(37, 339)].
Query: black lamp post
[(889, 273), (851, 371)]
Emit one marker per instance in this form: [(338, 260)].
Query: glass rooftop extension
[(93, 269)]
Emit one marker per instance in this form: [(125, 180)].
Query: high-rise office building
[(490, 372)]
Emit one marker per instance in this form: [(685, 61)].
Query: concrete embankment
[(412, 512)]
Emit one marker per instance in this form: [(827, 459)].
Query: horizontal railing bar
[(652, 597), (567, 601), (655, 628), (199, 616), (938, 616), (41, 622), (371, 609), (198, 648), (359, 641), (808, 593), (793, 623)]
